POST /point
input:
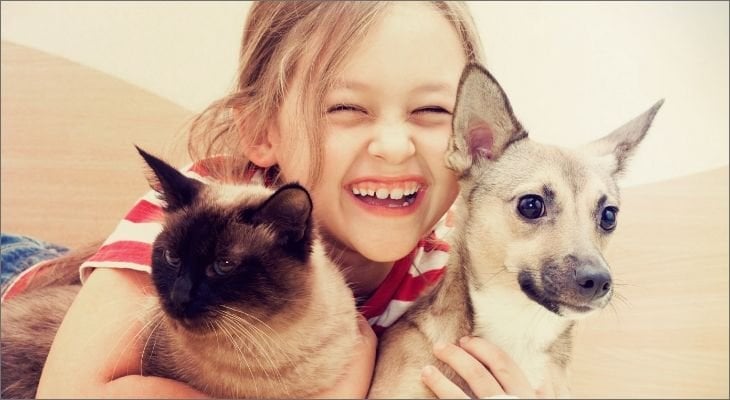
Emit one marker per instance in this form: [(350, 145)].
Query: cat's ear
[(613, 150), (288, 211), (176, 189), (484, 124)]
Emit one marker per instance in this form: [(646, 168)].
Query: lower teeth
[(389, 203)]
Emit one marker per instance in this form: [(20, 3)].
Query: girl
[(353, 100)]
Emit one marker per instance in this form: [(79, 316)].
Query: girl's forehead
[(412, 42)]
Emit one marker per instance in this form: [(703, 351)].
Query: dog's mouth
[(577, 308), (556, 301)]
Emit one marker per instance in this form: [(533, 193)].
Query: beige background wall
[(574, 71)]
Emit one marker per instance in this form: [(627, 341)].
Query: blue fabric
[(20, 252)]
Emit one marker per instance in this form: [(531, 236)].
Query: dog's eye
[(223, 266), (171, 258), (531, 206), (608, 218)]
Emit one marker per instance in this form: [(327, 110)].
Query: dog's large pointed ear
[(484, 124), (174, 188), (614, 150)]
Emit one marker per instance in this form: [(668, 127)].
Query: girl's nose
[(392, 143)]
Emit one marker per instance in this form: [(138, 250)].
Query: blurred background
[(574, 70)]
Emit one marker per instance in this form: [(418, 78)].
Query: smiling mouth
[(387, 196), (405, 201)]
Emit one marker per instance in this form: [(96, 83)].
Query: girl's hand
[(356, 382), (487, 370)]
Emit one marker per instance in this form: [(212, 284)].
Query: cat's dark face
[(226, 251)]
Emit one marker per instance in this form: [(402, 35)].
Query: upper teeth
[(381, 192)]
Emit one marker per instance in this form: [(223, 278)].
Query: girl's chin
[(385, 248)]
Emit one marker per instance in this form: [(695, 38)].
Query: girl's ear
[(261, 150)]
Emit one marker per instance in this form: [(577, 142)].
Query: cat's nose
[(181, 292)]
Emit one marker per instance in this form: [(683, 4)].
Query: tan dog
[(526, 258)]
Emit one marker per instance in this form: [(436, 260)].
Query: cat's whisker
[(272, 349), (135, 318), (224, 329), (253, 317), (159, 320), (265, 325), (149, 290), (154, 344), (144, 329), (238, 322), (239, 329)]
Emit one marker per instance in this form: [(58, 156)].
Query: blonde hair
[(278, 38)]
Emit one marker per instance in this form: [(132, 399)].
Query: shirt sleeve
[(130, 244)]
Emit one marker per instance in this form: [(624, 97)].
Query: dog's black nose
[(593, 281)]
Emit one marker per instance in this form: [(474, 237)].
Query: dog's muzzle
[(573, 286)]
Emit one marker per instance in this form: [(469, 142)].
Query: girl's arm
[(97, 350)]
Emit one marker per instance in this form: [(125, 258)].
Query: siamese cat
[(247, 302)]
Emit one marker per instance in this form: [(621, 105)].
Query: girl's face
[(384, 184)]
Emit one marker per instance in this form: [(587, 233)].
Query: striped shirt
[(130, 246)]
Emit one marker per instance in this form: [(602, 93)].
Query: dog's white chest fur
[(519, 326)]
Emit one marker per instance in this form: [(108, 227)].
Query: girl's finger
[(500, 364), (556, 383), (547, 391), (476, 375), (440, 385)]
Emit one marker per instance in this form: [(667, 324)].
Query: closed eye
[(431, 116), (432, 109), (344, 107)]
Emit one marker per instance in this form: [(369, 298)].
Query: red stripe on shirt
[(378, 302), (199, 169), (125, 251), (413, 287), (22, 281), (144, 211), (431, 242)]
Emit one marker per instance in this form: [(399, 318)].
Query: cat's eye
[(608, 218), (171, 258), (223, 266), (531, 206)]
